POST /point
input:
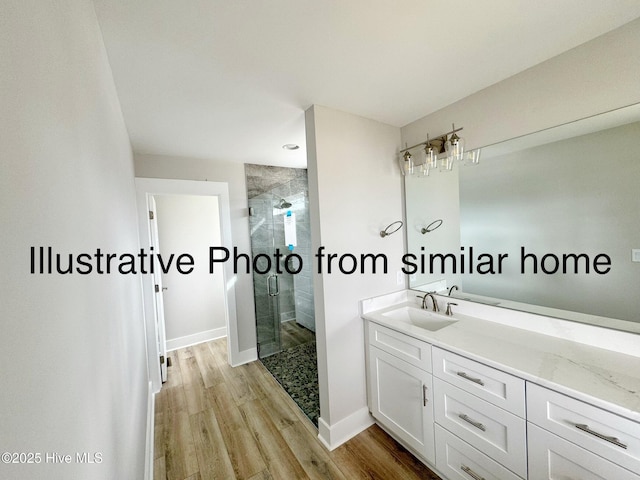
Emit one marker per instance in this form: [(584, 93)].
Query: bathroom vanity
[(489, 393)]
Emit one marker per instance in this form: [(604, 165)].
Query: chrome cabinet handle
[(478, 425), (424, 395), (471, 473), (471, 379), (614, 440)]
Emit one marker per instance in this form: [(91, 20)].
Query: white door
[(402, 400), (158, 300)]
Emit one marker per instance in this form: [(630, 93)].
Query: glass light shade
[(446, 163), (472, 157), (406, 164), (455, 147), (424, 169), (431, 156)]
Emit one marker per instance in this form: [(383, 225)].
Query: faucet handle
[(449, 311)]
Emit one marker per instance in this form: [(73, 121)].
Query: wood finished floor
[(217, 422), (292, 334)]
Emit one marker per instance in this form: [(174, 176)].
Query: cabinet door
[(402, 401), (552, 457)]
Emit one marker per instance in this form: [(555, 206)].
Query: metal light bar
[(425, 142)]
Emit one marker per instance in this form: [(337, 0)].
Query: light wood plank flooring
[(217, 422), (293, 334)]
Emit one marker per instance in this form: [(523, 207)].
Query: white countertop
[(599, 376)]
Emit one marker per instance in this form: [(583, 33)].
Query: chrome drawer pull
[(424, 395), (471, 473), (614, 440), (471, 379), (478, 425)]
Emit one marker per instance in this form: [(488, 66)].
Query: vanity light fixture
[(441, 153)]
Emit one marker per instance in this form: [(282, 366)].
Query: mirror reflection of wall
[(577, 195)]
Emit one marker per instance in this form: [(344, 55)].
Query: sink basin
[(420, 318)]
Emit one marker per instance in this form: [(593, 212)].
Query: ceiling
[(231, 79)]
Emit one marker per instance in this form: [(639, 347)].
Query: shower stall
[(276, 193)]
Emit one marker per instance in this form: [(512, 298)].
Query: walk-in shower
[(285, 322)]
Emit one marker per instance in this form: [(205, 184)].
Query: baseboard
[(244, 356), (188, 340), (149, 445), (332, 436)]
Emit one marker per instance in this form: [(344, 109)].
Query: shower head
[(283, 204)]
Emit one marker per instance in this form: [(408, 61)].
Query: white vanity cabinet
[(469, 420), (400, 388), (571, 439)]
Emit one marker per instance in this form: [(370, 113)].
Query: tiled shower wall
[(266, 187)]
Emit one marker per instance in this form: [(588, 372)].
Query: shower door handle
[(276, 291)]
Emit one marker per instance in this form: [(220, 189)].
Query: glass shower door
[(266, 285)]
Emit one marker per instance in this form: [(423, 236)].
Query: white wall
[(157, 166), (355, 191), (595, 77), (72, 348), (194, 305)]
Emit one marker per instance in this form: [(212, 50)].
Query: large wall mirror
[(564, 201)]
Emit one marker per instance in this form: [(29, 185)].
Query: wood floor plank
[(280, 460), (159, 423), (213, 458), (180, 454), (241, 445), (379, 436), (256, 378), (179, 450), (211, 375), (193, 385), (365, 458), (233, 377), (159, 471), (281, 410), (312, 456), (174, 375), (264, 475), (293, 334)]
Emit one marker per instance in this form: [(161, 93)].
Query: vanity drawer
[(495, 386), (553, 457), (458, 460), (604, 433), (492, 430), (407, 348)]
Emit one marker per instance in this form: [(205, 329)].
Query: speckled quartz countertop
[(560, 355)]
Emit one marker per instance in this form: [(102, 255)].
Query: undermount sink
[(420, 318)]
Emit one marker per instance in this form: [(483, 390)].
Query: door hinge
[(157, 288), (151, 216), (161, 359)]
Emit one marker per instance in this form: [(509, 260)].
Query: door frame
[(147, 188)]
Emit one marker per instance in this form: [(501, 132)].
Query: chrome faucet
[(433, 300), (454, 287)]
